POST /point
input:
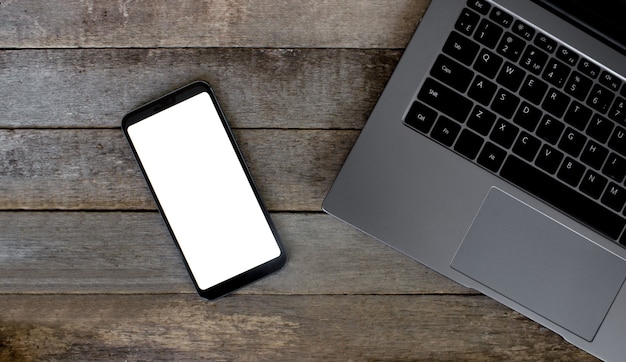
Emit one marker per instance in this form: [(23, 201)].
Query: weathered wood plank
[(113, 252), (196, 23), (285, 328), (258, 88), (81, 169)]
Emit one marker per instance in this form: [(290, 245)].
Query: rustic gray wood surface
[(87, 269)]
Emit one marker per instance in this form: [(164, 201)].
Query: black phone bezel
[(160, 105)]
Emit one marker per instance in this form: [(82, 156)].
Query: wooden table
[(87, 269)]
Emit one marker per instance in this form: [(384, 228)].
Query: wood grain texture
[(87, 169), (218, 23), (285, 328), (124, 252), (257, 88)]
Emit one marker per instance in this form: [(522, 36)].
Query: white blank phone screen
[(203, 191)]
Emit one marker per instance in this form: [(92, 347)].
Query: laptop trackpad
[(528, 257)]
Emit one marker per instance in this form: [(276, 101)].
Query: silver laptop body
[(422, 197)]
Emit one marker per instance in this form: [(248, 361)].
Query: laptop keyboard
[(533, 111)]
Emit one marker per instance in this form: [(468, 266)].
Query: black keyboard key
[(578, 86), (571, 172), (482, 90), (599, 128), (578, 115), (572, 142), (511, 76), (556, 72), (504, 133), (533, 89), (610, 80), (461, 48), (488, 63), (505, 103), (614, 197), (451, 73), (533, 59), (488, 33), (593, 184), (550, 129), (468, 144), (511, 46), (555, 102), (501, 17), (615, 167), (594, 154), (600, 98), (549, 159), (420, 117), (481, 120), (589, 68), (445, 131), (618, 111), (467, 22), (527, 116), (491, 157), (544, 42), (617, 142), (445, 100), (562, 197), (480, 6), (526, 146), (567, 55), (623, 91), (524, 30)]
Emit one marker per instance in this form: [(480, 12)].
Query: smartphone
[(203, 189)]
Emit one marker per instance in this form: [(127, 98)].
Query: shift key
[(445, 100)]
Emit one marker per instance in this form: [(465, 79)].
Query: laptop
[(496, 155)]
